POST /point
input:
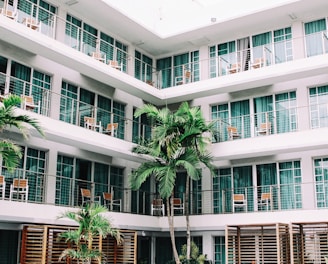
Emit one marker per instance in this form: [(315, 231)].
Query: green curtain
[(195, 66), (180, 63), (286, 115), (164, 67), (222, 191), (68, 103), (262, 46), (263, 107), (240, 117), (290, 185), (116, 181), (220, 114), (243, 183), (65, 170), (104, 111), (21, 83), (101, 176), (86, 105), (107, 45), (89, 39), (41, 87), (313, 32), (121, 54), (119, 117), (267, 181)]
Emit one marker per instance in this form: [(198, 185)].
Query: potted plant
[(91, 224)]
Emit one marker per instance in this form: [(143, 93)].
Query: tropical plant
[(10, 152), (178, 143), (91, 224), (195, 257)]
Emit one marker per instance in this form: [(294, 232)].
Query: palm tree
[(178, 142), (92, 224), (10, 152)]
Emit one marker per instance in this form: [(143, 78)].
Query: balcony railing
[(104, 50), (66, 191), (76, 112)]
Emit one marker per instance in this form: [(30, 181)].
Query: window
[(219, 250), (286, 112), (222, 195), (321, 181), (141, 128), (143, 69), (283, 49), (318, 97), (68, 103), (316, 37)]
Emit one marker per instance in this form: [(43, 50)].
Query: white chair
[(87, 197), (264, 129), (32, 23), (239, 201), (2, 186), (258, 63), (233, 133), (157, 206), (12, 14), (233, 68), (19, 188), (114, 64), (99, 56), (110, 202), (178, 205)]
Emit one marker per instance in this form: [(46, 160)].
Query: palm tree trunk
[(170, 217), (187, 217)]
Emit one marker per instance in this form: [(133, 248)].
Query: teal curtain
[(321, 181), (89, 39), (121, 54), (116, 181), (219, 250), (195, 66), (104, 110), (222, 191), (290, 185), (283, 45), (68, 103), (73, 32), (220, 115), (319, 106), (86, 105), (263, 107), (314, 40), (83, 170), (107, 45), (286, 113), (21, 83), (143, 67), (262, 46), (243, 183), (164, 68), (101, 176), (267, 181), (180, 63), (35, 173), (240, 117), (119, 117), (64, 180), (41, 87)]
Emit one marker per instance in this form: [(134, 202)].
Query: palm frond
[(10, 153)]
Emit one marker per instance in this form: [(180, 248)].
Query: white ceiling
[(162, 26)]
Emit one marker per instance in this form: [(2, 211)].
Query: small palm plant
[(9, 151), (91, 224)]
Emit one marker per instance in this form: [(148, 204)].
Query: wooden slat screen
[(40, 246)]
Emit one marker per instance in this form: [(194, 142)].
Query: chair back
[(28, 99), (265, 126), (265, 196), (111, 126), (238, 197), (187, 74), (177, 201), (157, 202), (96, 55), (113, 63), (89, 120), (2, 180), (107, 196), (232, 130), (86, 193), (20, 183)]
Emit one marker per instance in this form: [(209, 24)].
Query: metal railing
[(103, 48), (66, 191)]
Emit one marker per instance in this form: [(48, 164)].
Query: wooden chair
[(233, 133), (2, 186), (91, 123), (28, 103), (264, 129), (87, 197), (9, 13), (19, 188), (178, 205), (265, 201), (239, 201), (157, 206), (111, 129), (258, 63), (110, 202), (114, 64), (31, 23), (233, 68), (98, 56)]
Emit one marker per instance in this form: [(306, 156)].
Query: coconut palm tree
[(178, 142), (10, 152), (91, 224)]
